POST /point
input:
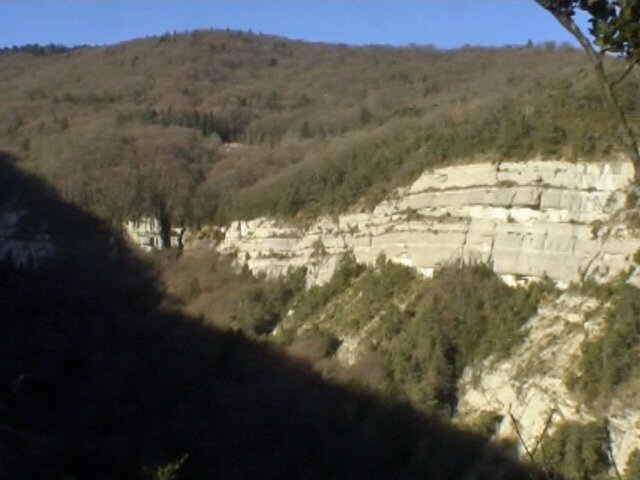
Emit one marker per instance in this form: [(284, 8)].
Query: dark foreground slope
[(99, 380)]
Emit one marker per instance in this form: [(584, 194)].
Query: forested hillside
[(210, 126)]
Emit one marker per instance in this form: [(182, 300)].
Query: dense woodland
[(211, 126)]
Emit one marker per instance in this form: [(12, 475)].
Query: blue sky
[(443, 23)]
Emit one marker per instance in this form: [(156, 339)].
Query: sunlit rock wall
[(148, 234), (529, 220), (530, 386)]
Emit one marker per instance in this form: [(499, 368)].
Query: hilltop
[(212, 126)]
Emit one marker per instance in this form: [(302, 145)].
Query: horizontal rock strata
[(529, 220), (148, 234)]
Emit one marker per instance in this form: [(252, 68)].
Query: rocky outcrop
[(530, 384), (149, 233), (529, 220), (22, 248), (146, 233)]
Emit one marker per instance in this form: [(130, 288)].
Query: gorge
[(559, 220)]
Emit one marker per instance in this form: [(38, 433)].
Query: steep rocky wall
[(148, 234), (531, 383), (529, 219)]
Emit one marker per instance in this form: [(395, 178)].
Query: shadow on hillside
[(98, 380)]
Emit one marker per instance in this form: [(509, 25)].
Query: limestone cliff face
[(529, 220), (531, 383), (145, 233), (148, 233)]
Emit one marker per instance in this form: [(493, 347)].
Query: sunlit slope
[(217, 125)]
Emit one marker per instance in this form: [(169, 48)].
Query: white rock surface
[(530, 220), (530, 383), (147, 234)]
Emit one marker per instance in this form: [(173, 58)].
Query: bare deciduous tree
[(615, 27)]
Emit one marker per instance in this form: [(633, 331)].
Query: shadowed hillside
[(99, 380)]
